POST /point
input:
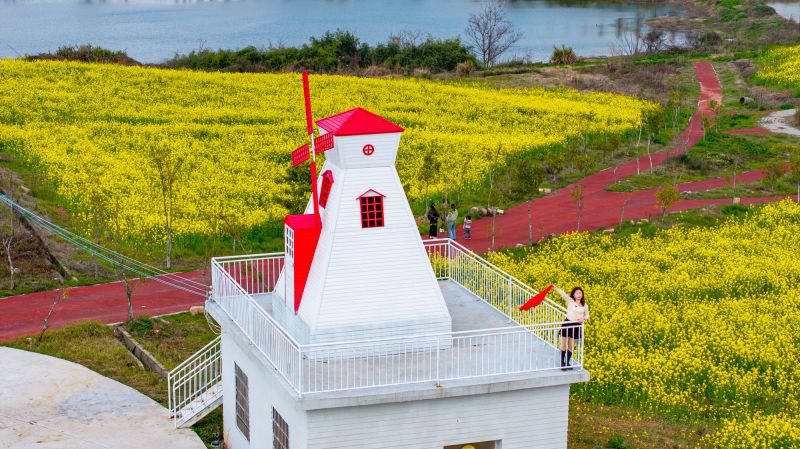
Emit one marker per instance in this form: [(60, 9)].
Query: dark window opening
[(242, 402), (327, 183), (371, 211), (280, 431)]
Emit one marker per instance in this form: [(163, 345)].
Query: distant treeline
[(339, 51)]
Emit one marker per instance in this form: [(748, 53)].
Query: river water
[(154, 30), (789, 10)]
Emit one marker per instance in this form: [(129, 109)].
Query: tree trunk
[(494, 216), (530, 222), (96, 239), (580, 208), (639, 139), (649, 156), (622, 214), (7, 246)]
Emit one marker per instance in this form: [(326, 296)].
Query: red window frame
[(325, 191), (371, 211)]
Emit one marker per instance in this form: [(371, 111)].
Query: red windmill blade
[(315, 146)]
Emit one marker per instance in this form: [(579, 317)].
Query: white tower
[(370, 276)]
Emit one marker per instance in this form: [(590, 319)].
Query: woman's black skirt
[(433, 230), (571, 329)]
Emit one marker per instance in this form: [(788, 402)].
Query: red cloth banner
[(536, 300)]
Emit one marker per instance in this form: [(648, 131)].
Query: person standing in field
[(468, 227), (452, 216), (571, 330), (433, 219)]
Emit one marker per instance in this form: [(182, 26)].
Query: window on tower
[(371, 209), (327, 183), (242, 402), (289, 241)]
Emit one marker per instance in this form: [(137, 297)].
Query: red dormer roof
[(356, 122)]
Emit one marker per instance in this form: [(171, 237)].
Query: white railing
[(280, 349), (190, 382), (530, 346), (502, 291)]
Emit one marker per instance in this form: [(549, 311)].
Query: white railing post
[(508, 297), (438, 374), (300, 373)]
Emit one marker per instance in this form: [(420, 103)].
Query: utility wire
[(141, 269)]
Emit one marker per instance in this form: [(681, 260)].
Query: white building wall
[(265, 391), (525, 419)]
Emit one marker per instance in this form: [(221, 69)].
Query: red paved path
[(557, 213), (23, 315), (756, 130)]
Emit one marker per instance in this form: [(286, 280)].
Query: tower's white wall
[(524, 419), (374, 282), (348, 152), (265, 392)]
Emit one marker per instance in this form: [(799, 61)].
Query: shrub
[(339, 51), (465, 68), (86, 53), (563, 55)]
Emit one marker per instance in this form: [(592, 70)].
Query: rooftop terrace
[(492, 344)]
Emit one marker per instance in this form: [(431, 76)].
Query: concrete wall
[(265, 392), (523, 419), (526, 419)]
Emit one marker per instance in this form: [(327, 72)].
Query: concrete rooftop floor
[(481, 359), (50, 403)]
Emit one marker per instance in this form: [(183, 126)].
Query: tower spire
[(313, 164)]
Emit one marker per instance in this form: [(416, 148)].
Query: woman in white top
[(577, 313)]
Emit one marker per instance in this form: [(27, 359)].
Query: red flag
[(536, 300)]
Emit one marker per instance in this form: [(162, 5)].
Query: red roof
[(301, 221), (356, 122)]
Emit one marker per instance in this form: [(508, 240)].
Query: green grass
[(737, 121), (714, 156), (171, 339)]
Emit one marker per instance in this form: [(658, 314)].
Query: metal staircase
[(195, 386)]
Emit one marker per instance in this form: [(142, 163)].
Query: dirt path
[(557, 213)]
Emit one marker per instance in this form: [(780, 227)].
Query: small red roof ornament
[(356, 122)]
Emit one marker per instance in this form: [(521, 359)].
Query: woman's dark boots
[(563, 360), (569, 357)]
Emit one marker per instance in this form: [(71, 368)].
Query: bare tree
[(492, 182), (58, 297), (491, 33), (129, 286), (577, 196), (8, 227), (168, 163)]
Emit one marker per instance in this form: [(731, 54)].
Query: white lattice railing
[(195, 383), (530, 346)]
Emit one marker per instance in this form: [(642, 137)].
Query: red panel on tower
[(306, 236)]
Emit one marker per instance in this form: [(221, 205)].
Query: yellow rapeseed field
[(781, 66), (98, 132), (697, 323)]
